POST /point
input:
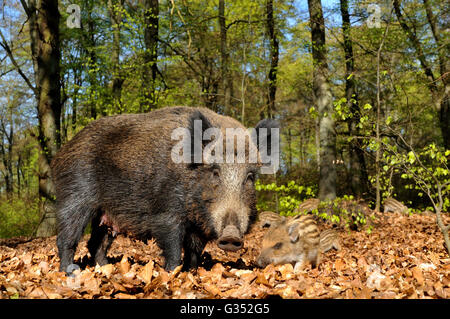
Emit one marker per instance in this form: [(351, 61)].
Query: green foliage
[(285, 198), (426, 171), (345, 212), (18, 217)]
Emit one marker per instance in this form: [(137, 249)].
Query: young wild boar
[(329, 239), (392, 205), (268, 218), (119, 173), (308, 206), (294, 240)]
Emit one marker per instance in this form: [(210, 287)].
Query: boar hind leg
[(99, 242), (314, 257), (72, 221), (193, 248)]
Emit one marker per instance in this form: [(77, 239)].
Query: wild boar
[(293, 240), (123, 173), (329, 239), (392, 205)]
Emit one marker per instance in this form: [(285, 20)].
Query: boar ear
[(293, 232), (198, 124), (267, 124)]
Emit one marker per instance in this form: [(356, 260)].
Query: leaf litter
[(403, 257)]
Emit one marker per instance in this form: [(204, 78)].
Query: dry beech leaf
[(43, 265), (248, 276), (147, 272), (124, 265), (240, 272), (202, 273), (27, 258), (439, 289), (106, 270), (36, 293), (212, 289), (261, 279), (50, 292), (287, 293), (163, 275), (339, 265), (122, 295), (418, 275), (129, 276), (287, 271), (174, 273)]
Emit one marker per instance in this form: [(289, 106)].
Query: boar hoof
[(70, 270)]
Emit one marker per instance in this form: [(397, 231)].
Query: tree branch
[(416, 44), (182, 54), (242, 21), (25, 7), (5, 46)]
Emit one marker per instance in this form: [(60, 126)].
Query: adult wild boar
[(119, 173)]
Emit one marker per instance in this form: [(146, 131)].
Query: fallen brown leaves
[(404, 257)]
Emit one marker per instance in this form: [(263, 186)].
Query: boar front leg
[(170, 240)]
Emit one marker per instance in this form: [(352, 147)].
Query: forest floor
[(403, 257)]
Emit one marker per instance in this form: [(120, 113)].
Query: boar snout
[(231, 239), (262, 262)]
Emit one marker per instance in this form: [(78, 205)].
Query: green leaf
[(388, 120), (411, 157)]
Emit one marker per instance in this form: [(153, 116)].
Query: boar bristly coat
[(118, 173)]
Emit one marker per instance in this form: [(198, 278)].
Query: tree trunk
[(7, 153), (358, 179), (151, 20), (89, 38), (226, 81), (444, 115), (8, 174), (378, 123), (43, 17), (274, 53), (77, 84), (289, 141), (324, 103), (377, 130), (19, 164), (115, 14)]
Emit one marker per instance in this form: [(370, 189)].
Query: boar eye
[(216, 173), (278, 245)]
